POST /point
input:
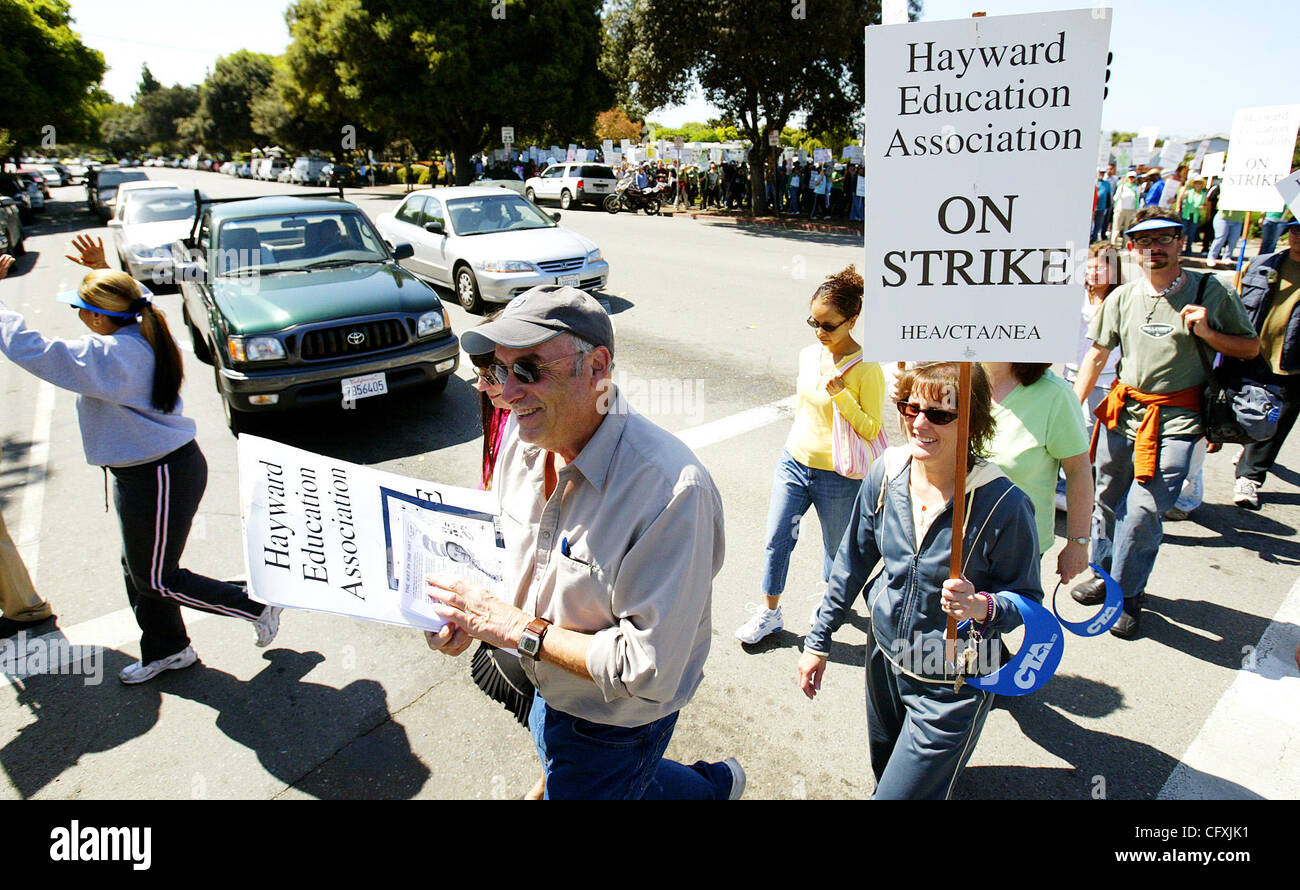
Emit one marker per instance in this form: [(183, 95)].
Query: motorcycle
[(626, 196)]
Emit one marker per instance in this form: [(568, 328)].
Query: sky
[(1183, 67)]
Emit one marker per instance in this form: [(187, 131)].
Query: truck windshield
[(296, 242)]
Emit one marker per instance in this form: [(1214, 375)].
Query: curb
[(777, 222)]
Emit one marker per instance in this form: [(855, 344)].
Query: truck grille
[(556, 267), (353, 339)]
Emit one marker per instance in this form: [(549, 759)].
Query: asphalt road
[(709, 313)]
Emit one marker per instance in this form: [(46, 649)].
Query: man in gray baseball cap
[(613, 532), (539, 314)]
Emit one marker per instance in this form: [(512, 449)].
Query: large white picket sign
[(330, 536), (981, 150), (1259, 155)]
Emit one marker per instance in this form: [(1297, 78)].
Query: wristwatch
[(1084, 541), (530, 642)]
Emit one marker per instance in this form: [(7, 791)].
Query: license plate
[(568, 280), (595, 186), (368, 385)]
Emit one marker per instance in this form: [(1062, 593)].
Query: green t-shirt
[(1037, 427), (1158, 353)]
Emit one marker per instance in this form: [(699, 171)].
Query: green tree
[(162, 110), (759, 61), (453, 73), (50, 77), (148, 84), (223, 118), (122, 130)]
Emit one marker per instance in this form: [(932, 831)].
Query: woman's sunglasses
[(824, 325), (525, 371), (936, 416)]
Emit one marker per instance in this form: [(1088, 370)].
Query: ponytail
[(116, 291), (168, 371)]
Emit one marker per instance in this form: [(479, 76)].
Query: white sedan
[(153, 220), (490, 245)]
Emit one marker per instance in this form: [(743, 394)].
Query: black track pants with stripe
[(156, 503)]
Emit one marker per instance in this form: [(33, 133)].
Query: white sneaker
[(140, 672), (737, 778), (760, 624), (1245, 493), (268, 625)]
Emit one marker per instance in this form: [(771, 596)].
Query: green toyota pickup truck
[(298, 301)]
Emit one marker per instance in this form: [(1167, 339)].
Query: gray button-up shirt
[(626, 549)]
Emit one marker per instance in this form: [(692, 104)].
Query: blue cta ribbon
[(1039, 655), (1105, 619)]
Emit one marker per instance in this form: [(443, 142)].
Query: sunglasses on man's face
[(824, 325), (936, 416), (526, 371)]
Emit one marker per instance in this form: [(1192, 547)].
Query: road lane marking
[(28, 541), (1262, 704), (729, 427)]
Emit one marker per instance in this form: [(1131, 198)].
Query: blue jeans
[(1190, 226), (1098, 225), (1128, 517), (856, 212), (1225, 233), (794, 489), (792, 204), (597, 761), (1269, 230)]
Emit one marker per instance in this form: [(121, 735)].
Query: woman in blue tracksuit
[(127, 376), (903, 520)]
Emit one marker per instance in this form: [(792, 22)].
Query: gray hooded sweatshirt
[(113, 378)]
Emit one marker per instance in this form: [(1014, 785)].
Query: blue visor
[(72, 298), (1150, 225)]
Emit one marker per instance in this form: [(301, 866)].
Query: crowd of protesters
[(826, 190), (1191, 197)]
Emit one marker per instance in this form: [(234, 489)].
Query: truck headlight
[(430, 323), (254, 349)]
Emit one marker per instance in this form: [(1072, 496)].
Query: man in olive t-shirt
[(1168, 324)]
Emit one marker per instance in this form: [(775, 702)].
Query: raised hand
[(91, 252)]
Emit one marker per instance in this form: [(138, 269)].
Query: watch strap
[(536, 630)]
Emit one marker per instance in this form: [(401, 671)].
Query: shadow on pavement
[(14, 455), (1100, 763), (294, 727), (758, 230), (378, 429)]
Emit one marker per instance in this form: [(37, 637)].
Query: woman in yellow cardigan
[(831, 372)]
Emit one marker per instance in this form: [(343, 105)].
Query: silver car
[(151, 222), (489, 244)]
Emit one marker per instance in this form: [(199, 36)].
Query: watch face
[(528, 644)]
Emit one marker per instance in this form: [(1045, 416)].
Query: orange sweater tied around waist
[(1146, 449)]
